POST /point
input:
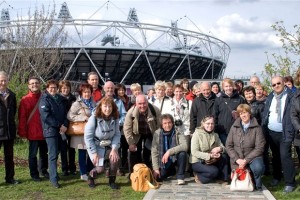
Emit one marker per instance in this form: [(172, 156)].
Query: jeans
[(208, 173), (53, 150), (85, 163), (223, 138), (35, 167), (282, 158), (64, 154), (9, 159), (257, 168), (181, 164), (71, 156)]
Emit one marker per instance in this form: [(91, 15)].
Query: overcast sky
[(245, 25)]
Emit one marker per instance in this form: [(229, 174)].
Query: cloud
[(243, 33)]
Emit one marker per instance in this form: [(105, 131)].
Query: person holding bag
[(80, 111), (208, 158), (245, 144), (102, 137)]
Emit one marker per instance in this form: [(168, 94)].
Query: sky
[(245, 25)]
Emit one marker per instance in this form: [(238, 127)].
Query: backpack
[(141, 178)]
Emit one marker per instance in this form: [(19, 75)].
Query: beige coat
[(156, 147), (131, 125), (202, 144), (78, 112)]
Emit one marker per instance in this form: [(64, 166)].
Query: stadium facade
[(131, 51)]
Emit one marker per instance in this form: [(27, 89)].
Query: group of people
[(202, 128)]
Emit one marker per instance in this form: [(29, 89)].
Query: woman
[(215, 88), (120, 90), (81, 110), (54, 122), (162, 102), (260, 93), (289, 82), (185, 84), (102, 138), (245, 144), (225, 108), (206, 146), (67, 153)]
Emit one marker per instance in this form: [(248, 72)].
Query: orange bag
[(141, 178)]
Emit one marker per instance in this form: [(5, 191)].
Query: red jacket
[(190, 96), (97, 95), (33, 130)]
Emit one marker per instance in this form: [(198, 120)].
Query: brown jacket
[(240, 145), (131, 124)]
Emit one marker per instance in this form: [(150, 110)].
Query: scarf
[(278, 104), (167, 141), (88, 103)]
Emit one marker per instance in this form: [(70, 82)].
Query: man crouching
[(169, 149)]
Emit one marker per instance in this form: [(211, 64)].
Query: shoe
[(112, 183), (274, 182), (288, 189), (36, 179), (65, 173), (222, 182), (120, 173), (73, 173), (55, 184), (13, 182), (91, 182), (84, 177), (259, 189), (93, 173), (196, 178), (180, 182), (45, 174)]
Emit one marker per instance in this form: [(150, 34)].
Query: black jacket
[(288, 129), (53, 114), (7, 117), (201, 107), (223, 107), (295, 116), (257, 109)]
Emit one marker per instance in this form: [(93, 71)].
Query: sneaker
[(12, 181), (288, 189), (45, 174), (84, 177), (274, 182), (73, 173), (180, 182), (36, 179), (55, 184)]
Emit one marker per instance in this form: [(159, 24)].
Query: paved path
[(170, 190)]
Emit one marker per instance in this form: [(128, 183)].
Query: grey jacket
[(181, 145), (248, 146)]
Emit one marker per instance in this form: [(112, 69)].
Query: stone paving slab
[(194, 191)]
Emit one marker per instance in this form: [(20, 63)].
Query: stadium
[(131, 51)]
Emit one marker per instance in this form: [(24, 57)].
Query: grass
[(74, 188), (71, 186)]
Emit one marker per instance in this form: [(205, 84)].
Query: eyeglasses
[(273, 85), (34, 83)]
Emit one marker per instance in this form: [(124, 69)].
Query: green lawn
[(74, 188)]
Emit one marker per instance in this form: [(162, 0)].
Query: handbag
[(76, 128), (241, 180)]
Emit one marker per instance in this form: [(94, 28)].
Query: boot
[(91, 182), (112, 184)]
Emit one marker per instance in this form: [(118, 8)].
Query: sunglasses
[(273, 85)]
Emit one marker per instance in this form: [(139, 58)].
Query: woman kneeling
[(245, 144), (209, 161), (102, 138)]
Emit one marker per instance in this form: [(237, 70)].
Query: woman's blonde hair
[(227, 80), (206, 118), (243, 108), (159, 84)]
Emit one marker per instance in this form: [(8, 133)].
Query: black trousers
[(141, 155), (8, 146), (282, 158)]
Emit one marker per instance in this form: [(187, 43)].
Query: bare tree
[(32, 45)]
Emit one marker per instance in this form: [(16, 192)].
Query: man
[(30, 127), (93, 80), (141, 121), (254, 80), (8, 107), (168, 151), (169, 89), (277, 125), (202, 106)]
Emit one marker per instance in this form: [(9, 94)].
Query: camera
[(178, 122)]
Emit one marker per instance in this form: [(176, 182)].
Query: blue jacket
[(53, 114), (288, 129)]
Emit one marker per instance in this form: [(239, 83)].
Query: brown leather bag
[(76, 128)]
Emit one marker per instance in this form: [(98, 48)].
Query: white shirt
[(273, 124)]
